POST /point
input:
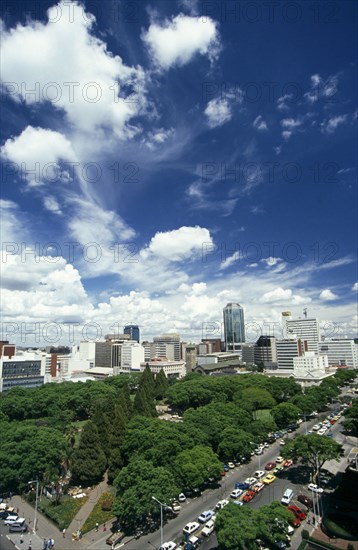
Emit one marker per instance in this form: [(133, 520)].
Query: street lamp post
[(37, 496), (161, 518)]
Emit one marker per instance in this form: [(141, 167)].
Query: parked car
[(251, 480), (221, 504), (279, 468), (279, 460), (297, 511), (258, 487), (205, 516), (314, 488), (248, 496), (182, 497), (270, 466), (191, 527), (176, 506), (12, 519), (231, 465), (236, 493), (192, 543), (18, 527), (259, 474), (241, 485), (268, 479), (208, 529), (307, 501), (287, 463), (4, 514), (168, 546)]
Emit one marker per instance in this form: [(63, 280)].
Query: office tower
[(133, 331), (304, 329), (286, 350), (234, 326), (168, 345), (190, 357), (265, 350), (340, 352)]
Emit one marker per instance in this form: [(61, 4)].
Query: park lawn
[(98, 515), (264, 414), (62, 513)]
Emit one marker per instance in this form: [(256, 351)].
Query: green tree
[(351, 415), (272, 522), (285, 414), (236, 528), (136, 484), (256, 398), (144, 403), (161, 385), (195, 466), (314, 450), (89, 460), (234, 444)]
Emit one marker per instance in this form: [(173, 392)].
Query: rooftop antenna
[(305, 312)]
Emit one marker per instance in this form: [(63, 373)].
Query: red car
[(270, 466), (297, 511), (295, 522), (249, 495), (287, 463)]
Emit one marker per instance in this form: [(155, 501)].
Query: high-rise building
[(168, 345), (190, 357), (304, 329), (340, 352), (133, 331), (234, 326), (265, 350), (287, 349)]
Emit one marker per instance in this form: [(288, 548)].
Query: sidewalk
[(88, 506)]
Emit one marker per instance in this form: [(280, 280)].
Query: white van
[(287, 497)]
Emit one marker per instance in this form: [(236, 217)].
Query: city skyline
[(158, 163)]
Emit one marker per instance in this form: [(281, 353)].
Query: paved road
[(193, 508)]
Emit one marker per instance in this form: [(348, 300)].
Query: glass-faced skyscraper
[(133, 331), (234, 326)]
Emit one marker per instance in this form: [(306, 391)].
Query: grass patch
[(62, 513), (98, 515), (264, 414)]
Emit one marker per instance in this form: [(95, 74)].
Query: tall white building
[(341, 352), (303, 329), (26, 369), (132, 355), (168, 345), (286, 350)]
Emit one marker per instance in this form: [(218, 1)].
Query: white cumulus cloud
[(328, 295), (178, 244), (177, 41)]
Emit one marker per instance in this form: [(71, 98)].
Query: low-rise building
[(172, 369)]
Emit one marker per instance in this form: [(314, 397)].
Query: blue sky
[(164, 158)]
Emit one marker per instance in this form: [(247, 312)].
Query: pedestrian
[(30, 545), (21, 538), (97, 525), (52, 544), (45, 544), (64, 533)]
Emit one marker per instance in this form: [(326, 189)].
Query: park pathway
[(88, 506)]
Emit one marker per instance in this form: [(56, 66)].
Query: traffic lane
[(194, 507), (5, 544)]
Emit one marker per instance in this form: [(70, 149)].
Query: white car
[(250, 480), (259, 451), (205, 516), (259, 474), (313, 487), (221, 504), (182, 497), (282, 442), (208, 529), (191, 527), (279, 459), (168, 546), (231, 465), (322, 431), (236, 493), (13, 519)]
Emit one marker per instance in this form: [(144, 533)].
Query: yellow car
[(269, 479)]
